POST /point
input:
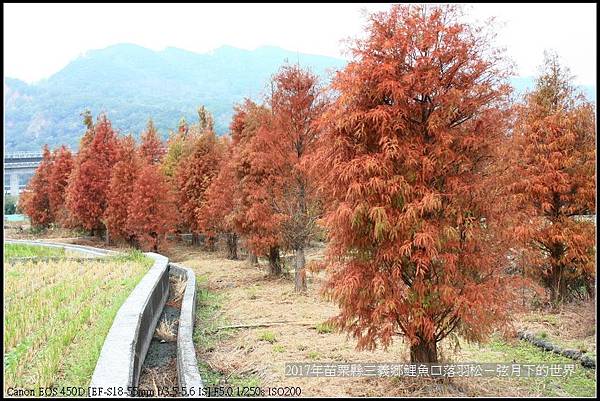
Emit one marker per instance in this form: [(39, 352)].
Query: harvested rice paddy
[(57, 314)]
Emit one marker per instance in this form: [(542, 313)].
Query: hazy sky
[(40, 39)]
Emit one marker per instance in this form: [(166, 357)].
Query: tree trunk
[(424, 352), (102, 233), (210, 243), (591, 289), (300, 273), (252, 259), (558, 285), (154, 237), (232, 246), (274, 261), (195, 239)]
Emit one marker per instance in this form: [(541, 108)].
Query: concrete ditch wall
[(127, 342), (188, 376)]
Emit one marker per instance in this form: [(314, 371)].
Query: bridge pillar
[(14, 184)]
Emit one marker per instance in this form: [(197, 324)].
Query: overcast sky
[(40, 39)]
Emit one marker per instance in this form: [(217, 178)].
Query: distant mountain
[(131, 83), (524, 84)]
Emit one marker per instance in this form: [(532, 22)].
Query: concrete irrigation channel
[(134, 350)]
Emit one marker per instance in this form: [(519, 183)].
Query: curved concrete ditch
[(585, 360), (187, 365), (171, 362), (130, 337)]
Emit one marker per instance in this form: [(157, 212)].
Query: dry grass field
[(285, 327)]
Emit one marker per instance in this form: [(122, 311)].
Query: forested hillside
[(132, 83)]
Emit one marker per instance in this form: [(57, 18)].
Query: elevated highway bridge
[(18, 170)]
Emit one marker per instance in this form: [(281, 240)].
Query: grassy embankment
[(207, 335), (582, 383), (29, 251)]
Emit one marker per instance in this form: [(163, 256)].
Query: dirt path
[(249, 297)]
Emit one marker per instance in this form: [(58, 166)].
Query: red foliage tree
[(297, 103), (150, 215), (194, 173), (57, 184), (255, 217), (407, 163), (120, 191), (88, 186), (35, 201), (554, 181), (151, 148), (215, 216), (177, 149)]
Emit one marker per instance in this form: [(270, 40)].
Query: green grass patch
[(31, 251), (57, 315), (578, 345), (313, 355), (208, 306), (278, 348), (133, 255), (207, 336), (268, 336), (252, 294), (582, 383), (324, 328)]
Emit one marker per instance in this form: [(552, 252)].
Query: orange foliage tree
[(297, 103), (177, 149), (62, 166), (150, 214), (554, 182), (256, 218), (196, 168), (215, 216), (88, 185), (173, 154), (35, 200), (407, 166), (151, 148), (120, 190)]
